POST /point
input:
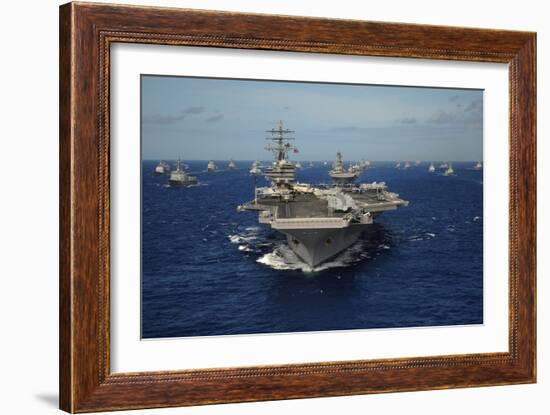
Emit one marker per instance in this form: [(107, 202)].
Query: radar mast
[(281, 145)]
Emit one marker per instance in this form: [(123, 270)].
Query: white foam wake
[(283, 258), (246, 240), (239, 239), (425, 236)]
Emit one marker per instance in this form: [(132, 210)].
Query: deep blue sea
[(210, 270)]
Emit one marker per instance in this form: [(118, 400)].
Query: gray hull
[(314, 246), (179, 183)]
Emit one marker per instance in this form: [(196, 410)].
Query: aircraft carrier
[(318, 221), (340, 175)]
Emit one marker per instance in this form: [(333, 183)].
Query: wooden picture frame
[(86, 33)]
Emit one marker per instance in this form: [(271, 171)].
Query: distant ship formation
[(446, 166), (339, 174), (318, 221)]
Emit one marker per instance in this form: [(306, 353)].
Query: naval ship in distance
[(179, 177), (318, 221), (339, 174), (162, 168)]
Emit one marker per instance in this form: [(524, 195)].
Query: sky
[(219, 119)]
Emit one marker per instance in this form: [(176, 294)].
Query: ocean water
[(208, 269)]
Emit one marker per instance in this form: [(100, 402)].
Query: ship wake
[(273, 252), (283, 258)]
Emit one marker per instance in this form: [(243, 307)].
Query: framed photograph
[(258, 207)]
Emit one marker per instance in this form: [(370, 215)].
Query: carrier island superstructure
[(318, 221)]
